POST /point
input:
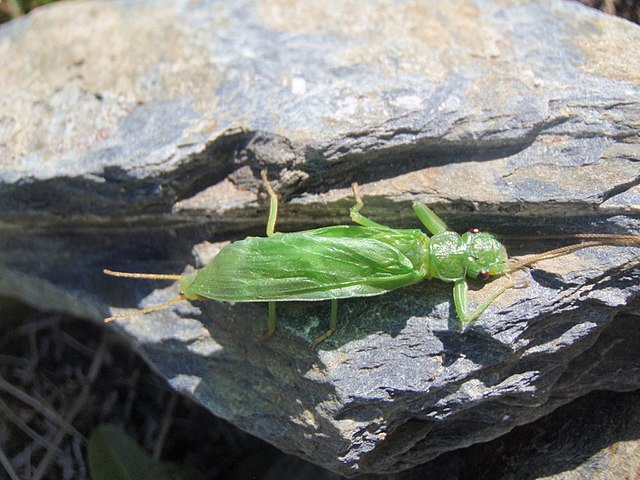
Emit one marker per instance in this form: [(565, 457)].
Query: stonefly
[(359, 260)]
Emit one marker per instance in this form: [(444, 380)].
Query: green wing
[(332, 262)]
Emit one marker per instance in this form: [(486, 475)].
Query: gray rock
[(593, 437), (133, 136)]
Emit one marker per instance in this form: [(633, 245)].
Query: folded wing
[(333, 262)]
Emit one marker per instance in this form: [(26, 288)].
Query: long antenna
[(596, 239), (613, 238)]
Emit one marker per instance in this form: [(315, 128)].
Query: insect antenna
[(593, 240), (151, 276)]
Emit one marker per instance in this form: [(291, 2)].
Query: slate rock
[(132, 136), (593, 437)]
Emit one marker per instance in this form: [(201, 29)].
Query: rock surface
[(132, 134), (595, 437)]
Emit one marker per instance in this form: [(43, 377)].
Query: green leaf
[(114, 455)]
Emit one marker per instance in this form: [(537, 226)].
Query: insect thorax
[(452, 256), (446, 257)]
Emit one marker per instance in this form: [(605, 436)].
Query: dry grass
[(60, 378)]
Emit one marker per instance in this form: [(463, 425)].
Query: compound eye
[(483, 275), (474, 230)]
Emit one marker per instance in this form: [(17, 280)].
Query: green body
[(339, 262), (347, 261), (352, 261)]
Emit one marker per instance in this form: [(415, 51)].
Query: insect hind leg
[(333, 324), (272, 324), (273, 204)]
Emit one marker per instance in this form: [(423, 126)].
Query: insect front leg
[(429, 219), (354, 212), (460, 299), (272, 323), (333, 324), (273, 204)]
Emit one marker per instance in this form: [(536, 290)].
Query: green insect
[(359, 260)]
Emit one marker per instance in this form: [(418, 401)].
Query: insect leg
[(272, 323), (429, 218), (355, 214), (333, 324), (273, 204), (460, 299)]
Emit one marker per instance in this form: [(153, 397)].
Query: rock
[(134, 137), (595, 436)]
